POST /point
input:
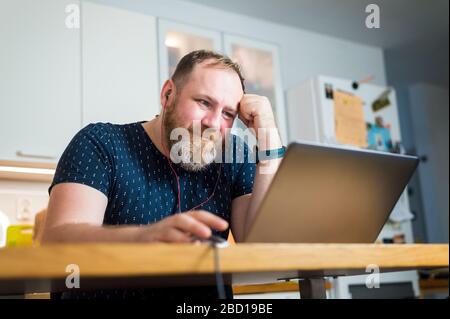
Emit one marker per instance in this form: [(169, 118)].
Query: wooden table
[(43, 269)]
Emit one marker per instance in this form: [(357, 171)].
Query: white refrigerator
[(331, 110)]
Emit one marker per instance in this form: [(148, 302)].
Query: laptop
[(331, 194)]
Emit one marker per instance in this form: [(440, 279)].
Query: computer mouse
[(213, 240)]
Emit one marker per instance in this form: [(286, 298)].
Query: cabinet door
[(120, 77), (177, 39), (39, 79), (261, 69)]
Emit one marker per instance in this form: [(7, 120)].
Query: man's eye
[(204, 102), (228, 115)]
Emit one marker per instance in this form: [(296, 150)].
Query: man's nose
[(212, 120)]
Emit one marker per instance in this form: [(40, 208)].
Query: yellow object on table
[(19, 235)]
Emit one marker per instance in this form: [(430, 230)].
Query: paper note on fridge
[(350, 125)]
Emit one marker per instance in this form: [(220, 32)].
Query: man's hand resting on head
[(257, 114)]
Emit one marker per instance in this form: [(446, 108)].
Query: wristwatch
[(270, 154)]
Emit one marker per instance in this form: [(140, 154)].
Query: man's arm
[(257, 114), (244, 208), (75, 214)]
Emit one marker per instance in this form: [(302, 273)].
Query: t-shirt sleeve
[(244, 170), (87, 159)]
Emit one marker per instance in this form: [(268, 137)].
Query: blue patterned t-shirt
[(122, 162)]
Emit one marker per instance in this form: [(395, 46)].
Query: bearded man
[(140, 182)]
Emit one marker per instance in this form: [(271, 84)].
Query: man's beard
[(194, 157)]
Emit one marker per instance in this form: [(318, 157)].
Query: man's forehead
[(210, 68), (216, 82)]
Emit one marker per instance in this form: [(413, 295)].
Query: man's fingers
[(173, 235), (244, 120), (209, 219), (189, 224), (197, 223)]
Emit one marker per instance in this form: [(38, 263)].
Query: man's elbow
[(48, 237), (52, 235)]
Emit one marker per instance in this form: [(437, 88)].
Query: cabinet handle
[(22, 154)]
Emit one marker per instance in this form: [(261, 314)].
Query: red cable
[(214, 190)]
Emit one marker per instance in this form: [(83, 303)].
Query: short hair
[(189, 61)]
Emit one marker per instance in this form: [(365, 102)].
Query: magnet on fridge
[(329, 91)]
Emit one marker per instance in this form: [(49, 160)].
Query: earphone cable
[(175, 173), (219, 279)]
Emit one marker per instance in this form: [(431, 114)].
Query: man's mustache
[(212, 136)]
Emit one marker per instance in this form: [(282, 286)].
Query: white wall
[(430, 119), (405, 67), (13, 196), (303, 53)]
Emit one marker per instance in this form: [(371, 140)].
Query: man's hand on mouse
[(181, 228)]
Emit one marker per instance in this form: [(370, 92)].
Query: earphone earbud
[(167, 98)]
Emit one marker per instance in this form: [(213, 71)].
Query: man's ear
[(166, 92)]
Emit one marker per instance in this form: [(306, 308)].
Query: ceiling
[(404, 23)]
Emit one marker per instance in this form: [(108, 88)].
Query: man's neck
[(153, 130)]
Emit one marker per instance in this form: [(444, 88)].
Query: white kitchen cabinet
[(119, 65), (39, 79), (260, 63), (178, 39), (56, 77)]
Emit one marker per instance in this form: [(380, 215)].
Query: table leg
[(313, 288)]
